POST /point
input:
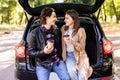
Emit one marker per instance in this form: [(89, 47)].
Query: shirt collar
[(45, 30)]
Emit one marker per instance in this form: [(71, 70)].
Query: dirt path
[(113, 34), (111, 28)]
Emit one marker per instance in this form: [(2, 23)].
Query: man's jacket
[(36, 44)]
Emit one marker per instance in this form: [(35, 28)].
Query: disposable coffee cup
[(50, 43), (66, 35)]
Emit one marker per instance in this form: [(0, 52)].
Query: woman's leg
[(61, 71), (80, 76), (71, 63), (42, 73)]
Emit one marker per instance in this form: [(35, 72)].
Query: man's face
[(52, 19)]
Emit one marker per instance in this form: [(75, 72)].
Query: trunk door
[(82, 6)]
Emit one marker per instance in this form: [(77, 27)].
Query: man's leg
[(42, 73), (61, 70)]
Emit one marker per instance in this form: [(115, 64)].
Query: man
[(44, 44)]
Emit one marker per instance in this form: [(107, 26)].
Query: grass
[(6, 27), (106, 26), (2, 29)]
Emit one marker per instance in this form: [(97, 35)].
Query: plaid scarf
[(50, 36)]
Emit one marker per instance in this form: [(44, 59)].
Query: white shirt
[(69, 47)]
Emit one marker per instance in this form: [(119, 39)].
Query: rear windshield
[(36, 3)]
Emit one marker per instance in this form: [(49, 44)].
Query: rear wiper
[(98, 13), (26, 15)]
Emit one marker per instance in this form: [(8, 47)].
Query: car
[(99, 49)]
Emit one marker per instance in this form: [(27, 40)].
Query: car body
[(99, 49)]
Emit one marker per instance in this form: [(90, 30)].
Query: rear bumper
[(104, 78), (25, 75), (105, 73), (29, 75)]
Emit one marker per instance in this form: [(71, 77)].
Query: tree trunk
[(2, 19), (21, 18), (116, 14), (104, 12)]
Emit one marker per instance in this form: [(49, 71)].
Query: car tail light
[(107, 47), (20, 51), (107, 78)]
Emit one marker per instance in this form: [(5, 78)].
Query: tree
[(115, 11), (7, 10), (110, 8), (10, 10)]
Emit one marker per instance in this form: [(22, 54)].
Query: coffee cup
[(50, 43), (66, 35)]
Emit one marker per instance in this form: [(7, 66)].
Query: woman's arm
[(80, 44)]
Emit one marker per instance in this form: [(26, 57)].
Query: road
[(7, 56), (115, 38)]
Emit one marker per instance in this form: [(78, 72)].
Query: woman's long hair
[(75, 16)]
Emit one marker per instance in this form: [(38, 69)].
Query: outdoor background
[(13, 22), (12, 15)]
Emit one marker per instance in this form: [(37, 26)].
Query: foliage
[(110, 9), (117, 5), (7, 10), (35, 3), (12, 13)]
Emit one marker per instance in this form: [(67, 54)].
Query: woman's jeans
[(60, 70), (71, 66)]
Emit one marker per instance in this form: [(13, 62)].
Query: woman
[(43, 44), (73, 37)]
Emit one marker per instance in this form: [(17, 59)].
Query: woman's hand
[(48, 50), (68, 40)]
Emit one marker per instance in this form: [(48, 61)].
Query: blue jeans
[(71, 63), (60, 70)]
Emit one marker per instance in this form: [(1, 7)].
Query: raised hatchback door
[(82, 6)]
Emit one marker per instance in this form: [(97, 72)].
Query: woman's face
[(68, 20), (52, 19)]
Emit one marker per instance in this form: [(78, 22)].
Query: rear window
[(36, 3)]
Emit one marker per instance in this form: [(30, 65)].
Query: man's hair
[(46, 12)]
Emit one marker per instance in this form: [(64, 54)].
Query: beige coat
[(79, 45)]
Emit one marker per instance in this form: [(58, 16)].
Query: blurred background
[(12, 15), (13, 20)]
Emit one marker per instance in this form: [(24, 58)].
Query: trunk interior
[(91, 44)]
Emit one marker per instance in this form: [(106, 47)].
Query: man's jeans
[(71, 63), (60, 70)]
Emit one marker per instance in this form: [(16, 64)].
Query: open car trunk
[(91, 43), (82, 6)]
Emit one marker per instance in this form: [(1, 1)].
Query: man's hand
[(48, 50)]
